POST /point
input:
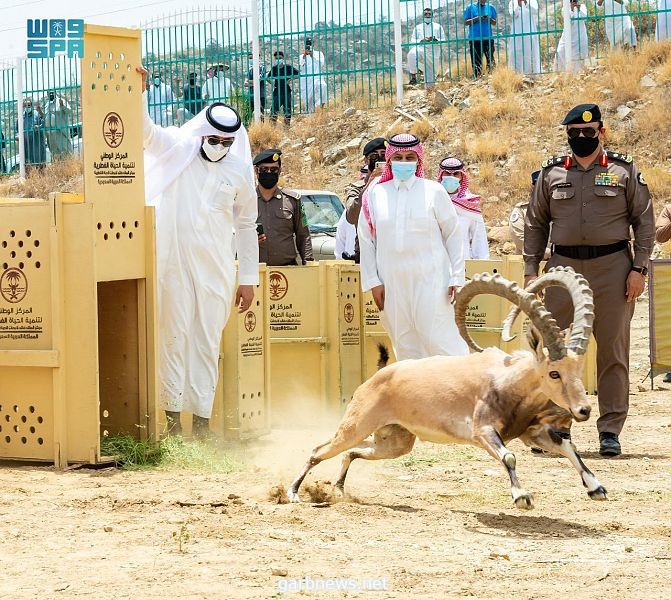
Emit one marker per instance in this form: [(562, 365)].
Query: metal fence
[(314, 52)]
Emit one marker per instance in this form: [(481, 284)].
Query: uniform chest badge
[(607, 179)]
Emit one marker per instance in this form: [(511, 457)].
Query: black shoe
[(201, 428), (609, 444), (413, 80), (667, 378), (173, 422)]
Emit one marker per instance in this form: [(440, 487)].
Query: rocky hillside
[(503, 126)]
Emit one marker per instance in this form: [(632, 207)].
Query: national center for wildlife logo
[(113, 129), (279, 286), (250, 321), (348, 312), (13, 285)]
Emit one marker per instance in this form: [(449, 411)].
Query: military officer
[(517, 216), (282, 224), (592, 198), (373, 152)]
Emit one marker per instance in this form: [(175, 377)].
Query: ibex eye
[(555, 374)]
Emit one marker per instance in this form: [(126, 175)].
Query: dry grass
[(656, 53), (422, 129), (265, 135), (61, 176), (486, 177), (625, 70), (487, 147), (659, 184), (505, 81)]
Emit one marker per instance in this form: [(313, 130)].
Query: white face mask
[(214, 153)]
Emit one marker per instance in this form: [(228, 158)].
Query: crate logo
[(250, 321), (348, 312), (13, 285), (279, 286), (113, 130), (48, 38)]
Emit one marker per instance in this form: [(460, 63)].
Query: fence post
[(19, 116), (256, 63), (398, 52), (568, 37)]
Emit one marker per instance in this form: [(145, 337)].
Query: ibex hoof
[(599, 493), (293, 497), (525, 502)]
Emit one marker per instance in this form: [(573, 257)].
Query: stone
[(499, 235), (334, 153), (464, 104), (310, 140), (348, 112), (606, 92), (623, 112), (648, 82), (279, 572), (354, 144), (509, 248), (441, 100)]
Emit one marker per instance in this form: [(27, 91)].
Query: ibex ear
[(535, 342)]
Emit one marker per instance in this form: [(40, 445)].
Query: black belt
[(587, 252)]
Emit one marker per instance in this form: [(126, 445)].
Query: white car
[(323, 210)]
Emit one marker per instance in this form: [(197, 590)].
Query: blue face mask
[(451, 184), (403, 170)]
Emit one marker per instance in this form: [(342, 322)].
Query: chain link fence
[(319, 52)]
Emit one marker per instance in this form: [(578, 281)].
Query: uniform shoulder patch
[(625, 158), (291, 193), (552, 161)]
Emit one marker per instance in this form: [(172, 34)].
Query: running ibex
[(484, 399)]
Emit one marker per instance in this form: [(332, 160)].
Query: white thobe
[(416, 253), (473, 233), (160, 101), (429, 53), (345, 237), (617, 23), (663, 27), (217, 88), (312, 85), (579, 43), (524, 53), (195, 220)]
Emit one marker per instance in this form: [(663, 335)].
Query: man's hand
[(244, 297), (262, 237), (635, 285), (142, 71), (452, 292), (378, 296), (528, 279)]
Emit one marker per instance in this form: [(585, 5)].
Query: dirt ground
[(438, 523)]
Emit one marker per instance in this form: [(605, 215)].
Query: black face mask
[(268, 180), (583, 146)]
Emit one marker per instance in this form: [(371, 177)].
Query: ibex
[(484, 399)]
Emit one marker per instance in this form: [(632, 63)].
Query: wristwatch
[(642, 270)]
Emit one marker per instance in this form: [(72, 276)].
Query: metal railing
[(334, 52)]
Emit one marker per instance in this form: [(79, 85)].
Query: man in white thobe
[(425, 48), (411, 255), (57, 121), (524, 52), (160, 99), (579, 41), (663, 26), (312, 85), (200, 178), (617, 23), (218, 87), (345, 238)]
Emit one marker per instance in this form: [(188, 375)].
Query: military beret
[(581, 114), (270, 155), (534, 177), (373, 145)]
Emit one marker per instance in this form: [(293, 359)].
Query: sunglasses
[(588, 132), (268, 169), (226, 142)]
